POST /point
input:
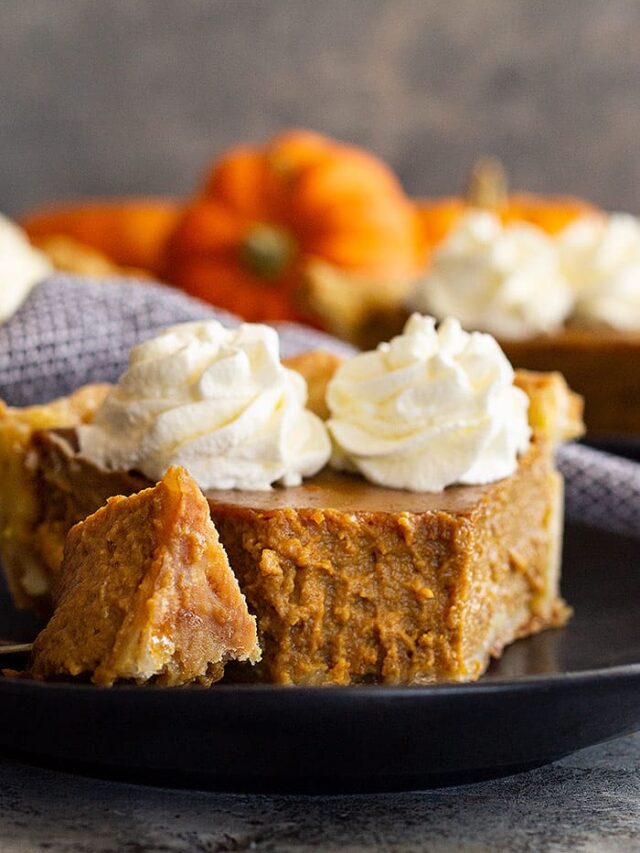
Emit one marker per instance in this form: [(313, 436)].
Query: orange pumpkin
[(129, 232), (487, 189), (266, 211)]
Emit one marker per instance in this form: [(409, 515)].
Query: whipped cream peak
[(218, 402), (433, 407), (601, 259), (505, 279), (21, 267)]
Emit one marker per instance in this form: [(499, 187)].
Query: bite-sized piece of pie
[(145, 593), (20, 507)]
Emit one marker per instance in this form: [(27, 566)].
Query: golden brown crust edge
[(19, 505), (316, 367), (555, 411)]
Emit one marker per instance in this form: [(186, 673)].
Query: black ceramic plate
[(548, 696)]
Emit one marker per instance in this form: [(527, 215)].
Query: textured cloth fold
[(72, 331), (601, 489)]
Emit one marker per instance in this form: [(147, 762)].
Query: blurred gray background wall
[(136, 96)]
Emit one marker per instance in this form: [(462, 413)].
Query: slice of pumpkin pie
[(430, 542), (145, 593)]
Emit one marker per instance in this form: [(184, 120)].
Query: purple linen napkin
[(72, 331), (601, 489)]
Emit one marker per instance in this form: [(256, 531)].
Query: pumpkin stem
[(487, 184), (267, 251)]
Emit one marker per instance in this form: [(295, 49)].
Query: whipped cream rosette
[(601, 259), (433, 407), (216, 401), (21, 267), (504, 279)]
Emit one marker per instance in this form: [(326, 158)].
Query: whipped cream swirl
[(218, 402), (433, 407), (601, 259), (21, 267), (505, 279)]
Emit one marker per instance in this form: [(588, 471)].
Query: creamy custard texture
[(146, 593), (352, 583), (397, 596)]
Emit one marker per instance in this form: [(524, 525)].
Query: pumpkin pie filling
[(351, 582)]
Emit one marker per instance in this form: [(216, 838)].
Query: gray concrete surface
[(587, 803), (128, 96)]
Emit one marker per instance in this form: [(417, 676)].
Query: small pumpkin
[(487, 188), (129, 232), (265, 212)]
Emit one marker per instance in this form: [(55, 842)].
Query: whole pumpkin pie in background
[(351, 581), (557, 281), (554, 279), (366, 308), (145, 593)]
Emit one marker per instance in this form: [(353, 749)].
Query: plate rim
[(498, 685)]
